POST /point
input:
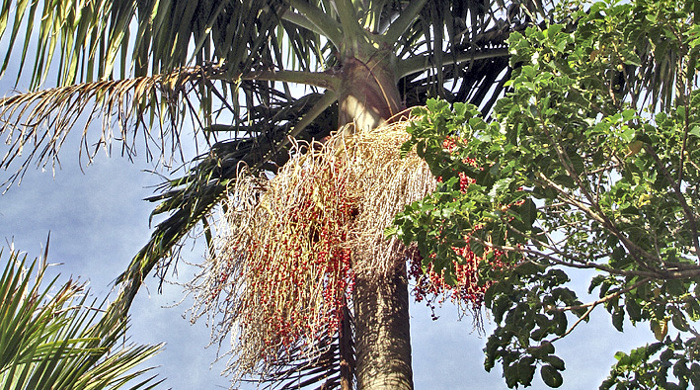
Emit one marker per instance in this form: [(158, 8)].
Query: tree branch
[(593, 305), (677, 191), (601, 218), (584, 264)]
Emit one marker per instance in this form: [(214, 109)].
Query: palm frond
[(165, 71), (331, 367), (39, 122), (92, 40), (57, 339), (457, 50), (655, 67)]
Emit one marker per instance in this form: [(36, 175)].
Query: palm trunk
[(383, 339), (368, 97)]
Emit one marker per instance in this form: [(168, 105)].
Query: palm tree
[(227, 67), (52, 337)]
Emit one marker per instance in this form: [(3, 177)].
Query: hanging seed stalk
[(289, 247)]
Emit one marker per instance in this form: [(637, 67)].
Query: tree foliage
[(591, 161)]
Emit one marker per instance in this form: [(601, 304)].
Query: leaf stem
[(301, 21), (420, 63), (348, 19), (404, 21), (324, 80), (330, 28)]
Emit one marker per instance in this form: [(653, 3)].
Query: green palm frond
[(52, 337), (92, 40)]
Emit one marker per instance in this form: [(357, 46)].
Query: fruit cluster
[(291, 261), (466, 291), (289, 247), (464, 287)]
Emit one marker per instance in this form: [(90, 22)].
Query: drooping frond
[(37, 123), (165, 71)]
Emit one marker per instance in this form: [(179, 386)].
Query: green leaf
[(526, 370), (695, 131), (555, 361), (618, 317), (634, 310), (551, 376)]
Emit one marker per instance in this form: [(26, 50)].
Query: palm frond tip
[(39, 122)]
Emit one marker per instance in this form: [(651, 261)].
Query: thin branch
[(570, 200), (568, 166), (583, 264), (592, 305), (604, 299), (632, 247), (420, 63), (404, 21), (677, 191)]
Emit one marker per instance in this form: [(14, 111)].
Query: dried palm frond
[(289, 247), (39, 122)]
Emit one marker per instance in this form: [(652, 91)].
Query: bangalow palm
[(228, 70)]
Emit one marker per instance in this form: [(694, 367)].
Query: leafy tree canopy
[(591, 161)]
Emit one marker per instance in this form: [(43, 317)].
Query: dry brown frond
[(37, 123), (289, 247)]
